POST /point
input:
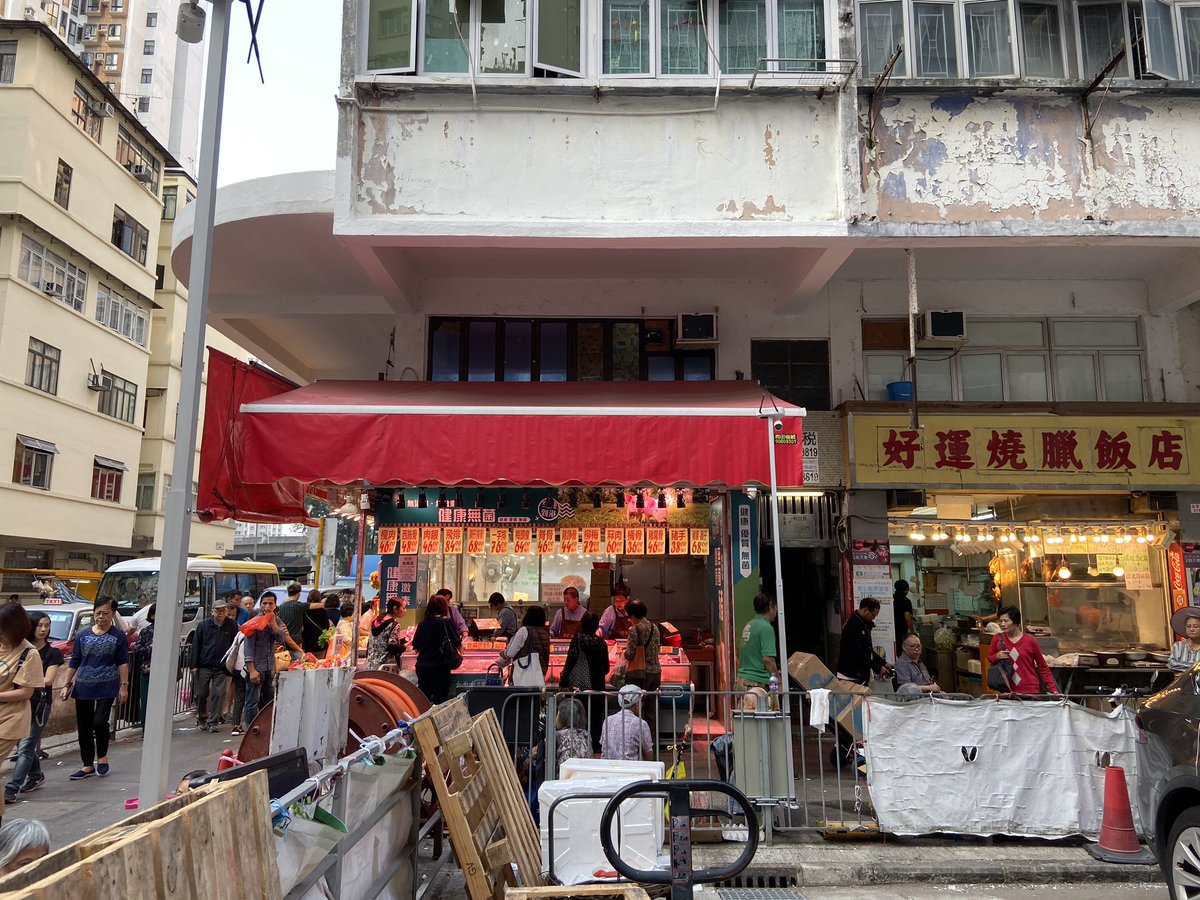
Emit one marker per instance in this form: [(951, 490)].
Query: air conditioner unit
[(104, 110), (31, 14), (101, 382), (51, 287), (89, 58), (942, 328), (142, 173), (696, 330)]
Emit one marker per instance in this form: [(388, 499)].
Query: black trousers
[(91, 721), (434, 682)]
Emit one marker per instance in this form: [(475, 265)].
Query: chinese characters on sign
[(431, 541), (398, 579), (476, 538), (745, 555), (568, 540), (699, 542), (635, 541), (678, 541), (388, 536), (545, 540), (410, 540), (809, 446), (656, 541), (1032, 449), (591, 541), (498, 541), (452, 541), (522, 540)]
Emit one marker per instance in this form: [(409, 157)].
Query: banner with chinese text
[(978, 450)]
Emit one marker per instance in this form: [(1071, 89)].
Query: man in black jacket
[(858, 659), (213, 638)]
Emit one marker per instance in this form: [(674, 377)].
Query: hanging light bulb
[(989, 535), (640, 503), (1005, 536), (1032, 536), (662, 499), (917, 534), (679, 501), (597, 498), (422, 500), (1074, 538), (1141, 538), (1118, 570), (1064, 571)]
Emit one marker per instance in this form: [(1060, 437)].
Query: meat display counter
[(479, 656)]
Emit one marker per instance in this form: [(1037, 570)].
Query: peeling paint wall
[(960, 157), (751, 159)]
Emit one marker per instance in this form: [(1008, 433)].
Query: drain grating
[(759, 880), (760, 893)]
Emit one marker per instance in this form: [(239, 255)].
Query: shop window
[(33, 461), (62, 185), (518, 351), (796, 371), (552, 351), (444, 351), (145, 490), (41, 366), (106, 479), (481, 351), (8, 61)]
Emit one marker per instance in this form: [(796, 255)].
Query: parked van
[(208, 577)]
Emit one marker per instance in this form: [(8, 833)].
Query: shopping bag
[(527, 671), (308, 837)]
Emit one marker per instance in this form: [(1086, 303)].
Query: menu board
[(678, 541), (410, 540), (568, 539), (476, 540), (498, 541)]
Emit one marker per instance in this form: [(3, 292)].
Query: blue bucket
[(900, 390)]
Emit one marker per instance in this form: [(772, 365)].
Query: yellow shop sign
[(971, 451)]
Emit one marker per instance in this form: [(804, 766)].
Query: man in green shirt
[(757, 660)]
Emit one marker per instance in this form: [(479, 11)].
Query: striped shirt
[(1183, 657)]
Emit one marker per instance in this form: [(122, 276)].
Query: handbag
[(451, 655), (1000, 673), (527, 671)]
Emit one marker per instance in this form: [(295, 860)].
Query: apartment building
[(66, 18), (86, 313), (693, 189)]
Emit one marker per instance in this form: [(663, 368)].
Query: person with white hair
[(22, 841), (625, 734)]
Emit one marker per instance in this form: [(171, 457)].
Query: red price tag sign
[(431, 541), (545, 540), (388, 535), (569, 540), (452, 541), (410, 540), (498, 539), (476, 540), (522, 540), (614, 540), (678, 538), (699, 541), (591, 541), (635, 541), (656, 541)]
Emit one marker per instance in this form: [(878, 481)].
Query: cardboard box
[(808, 671), (845, 703)]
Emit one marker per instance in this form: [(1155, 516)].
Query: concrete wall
[(960, 157)]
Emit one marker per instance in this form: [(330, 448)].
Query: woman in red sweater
[(1022, 649)]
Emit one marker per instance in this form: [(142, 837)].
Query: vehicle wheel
[(1181, 863)]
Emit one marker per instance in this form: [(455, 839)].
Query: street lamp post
[(156, 750)]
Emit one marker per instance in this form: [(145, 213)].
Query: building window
[(563, 350), (84, 110), (160, 277), (143, 104), (51, 274), (8, 61), (121, 315), (130, 235), (119, 400), (796, 371), (106, 479), (145, 491), (33, 462), (639, 38), (147, 76), (151, 20), (148, 48), (62, 185), (133, 155), (1022, 360), (41, 366), (114, 32), (170, 196)]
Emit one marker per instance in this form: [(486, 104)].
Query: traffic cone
[(227, 761), (1118, 841)]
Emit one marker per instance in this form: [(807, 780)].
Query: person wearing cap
[(625, 734), (210, 680), (1185, 653)]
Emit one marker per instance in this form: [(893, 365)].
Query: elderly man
[(213, 638), (912, 675), (566, 620), (625, 734)]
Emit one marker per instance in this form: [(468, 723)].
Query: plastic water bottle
[(773, 692)]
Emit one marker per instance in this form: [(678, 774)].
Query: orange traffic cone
[(1118, 841)]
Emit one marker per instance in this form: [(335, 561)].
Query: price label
[(476, 540), (568, 539), (545, 540), (678, 538), (591, 541), (614, 540), (410, 540), (522, 540), (452, 541), (388, 536), (635, 541), (656, 541), (431, 541), (699, 542), (498, 538)]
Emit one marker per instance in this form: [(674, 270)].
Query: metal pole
[(364, 505), (784, 694), (160, 707), (914, 310)]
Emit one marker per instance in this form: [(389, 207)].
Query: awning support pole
[(784, 695), (160, 704), (364, 506)]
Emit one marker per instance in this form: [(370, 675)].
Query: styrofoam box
[(578, 855), (631, 769)]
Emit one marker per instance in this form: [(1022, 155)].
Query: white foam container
[(629, 769), (577, 851)]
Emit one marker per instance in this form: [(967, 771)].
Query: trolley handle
[(678, 794)]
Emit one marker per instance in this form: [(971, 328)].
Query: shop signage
[(1191, 556), (811, 458), (614, 540), (431, 541), (1136, 562), (522, 541), (968, 450), (1177, 576), (871, 576), (388, 535), (656, 541), (452, 541), (699, 542), (497, 541), (545, 540), (476, 538), (398, 579), (744, 531), (635, 541), (678, 541), (410, 541), (568, 539), (591, 541)]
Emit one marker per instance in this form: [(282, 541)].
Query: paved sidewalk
[(75, 809)]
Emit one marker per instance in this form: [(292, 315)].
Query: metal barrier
[(797, 775), (129, 714)]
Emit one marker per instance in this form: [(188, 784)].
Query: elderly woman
[(22, 841), (572, 740), (1185, 653)]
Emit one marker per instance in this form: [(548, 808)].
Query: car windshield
[(60, 623)]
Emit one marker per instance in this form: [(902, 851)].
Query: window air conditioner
[(101, 382), (142, 173), (942, 328), (31, 14), (104, 110), (51, 287), (696, 330)]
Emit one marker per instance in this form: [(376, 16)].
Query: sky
[(290, 123)]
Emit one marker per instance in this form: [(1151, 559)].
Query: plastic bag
[(305, 843)]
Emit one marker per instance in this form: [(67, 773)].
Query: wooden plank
[(515, 816), (623, 891)]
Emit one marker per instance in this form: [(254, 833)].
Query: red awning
[(703, 434)]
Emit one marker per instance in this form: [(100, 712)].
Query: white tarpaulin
[(1032, 769)]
